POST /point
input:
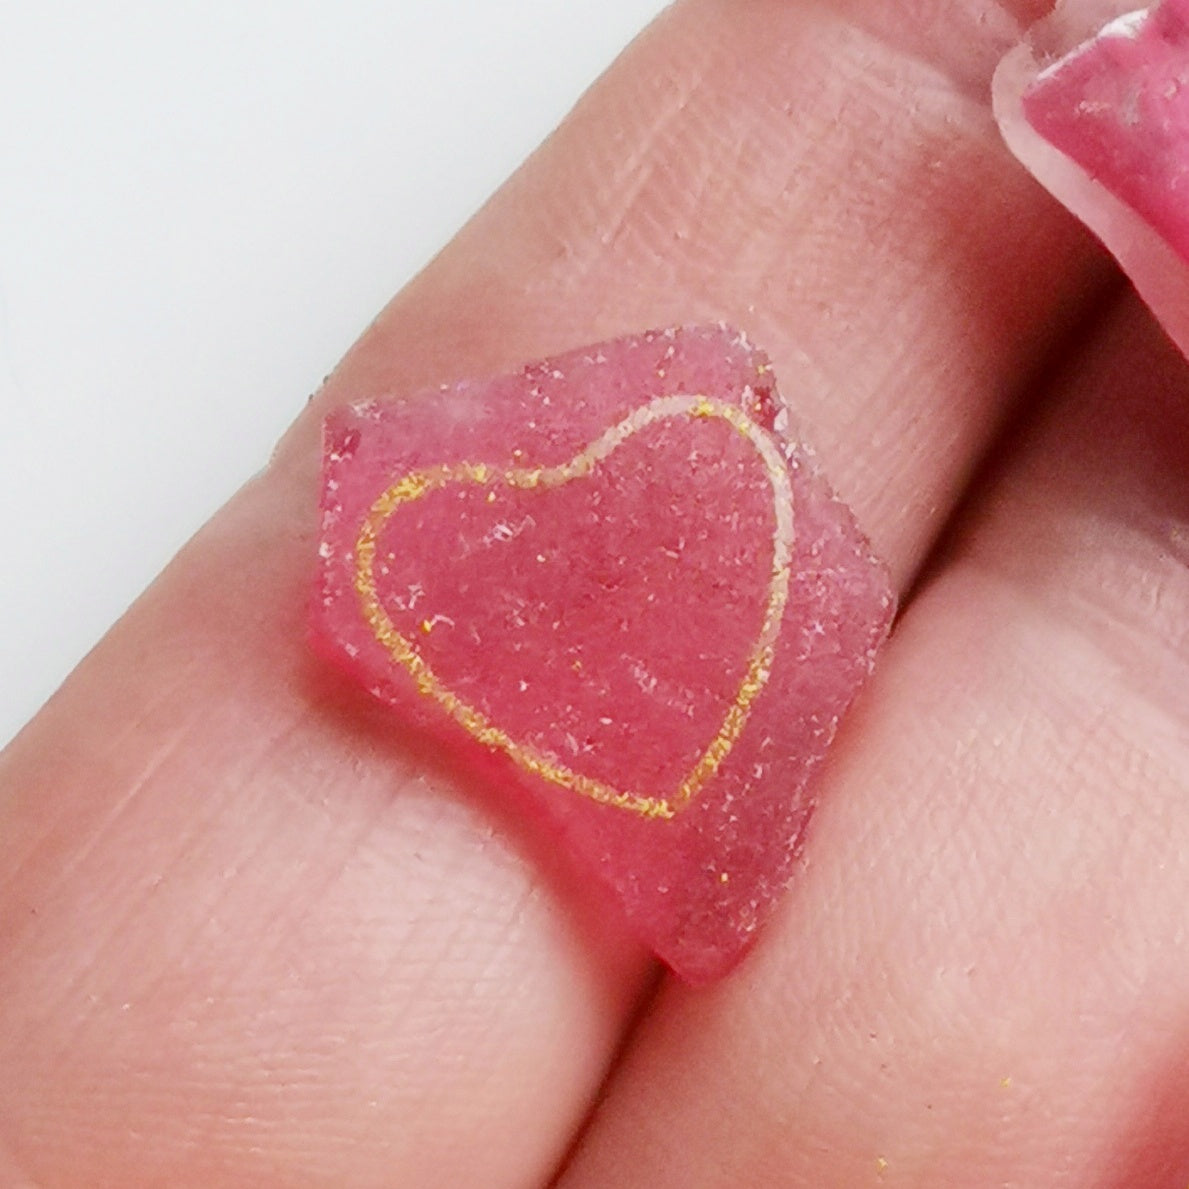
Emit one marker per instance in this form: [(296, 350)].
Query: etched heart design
[(419, 484)]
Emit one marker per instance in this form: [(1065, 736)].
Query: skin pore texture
[(251, 934)]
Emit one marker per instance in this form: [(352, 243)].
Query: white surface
[(201, 205)]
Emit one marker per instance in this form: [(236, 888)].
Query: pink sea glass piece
[(1095, 102), (615, 586), (1118, 105)]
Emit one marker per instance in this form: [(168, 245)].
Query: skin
[(250, 935)]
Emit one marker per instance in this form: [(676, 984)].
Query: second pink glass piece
[(1118, 105), (1095, 102)]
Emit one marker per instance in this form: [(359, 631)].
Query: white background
[(201, 205)]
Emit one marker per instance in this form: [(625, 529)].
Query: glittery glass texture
[(1118, 105), (614, 583)]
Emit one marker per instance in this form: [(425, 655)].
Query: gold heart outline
[(416, 484)]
